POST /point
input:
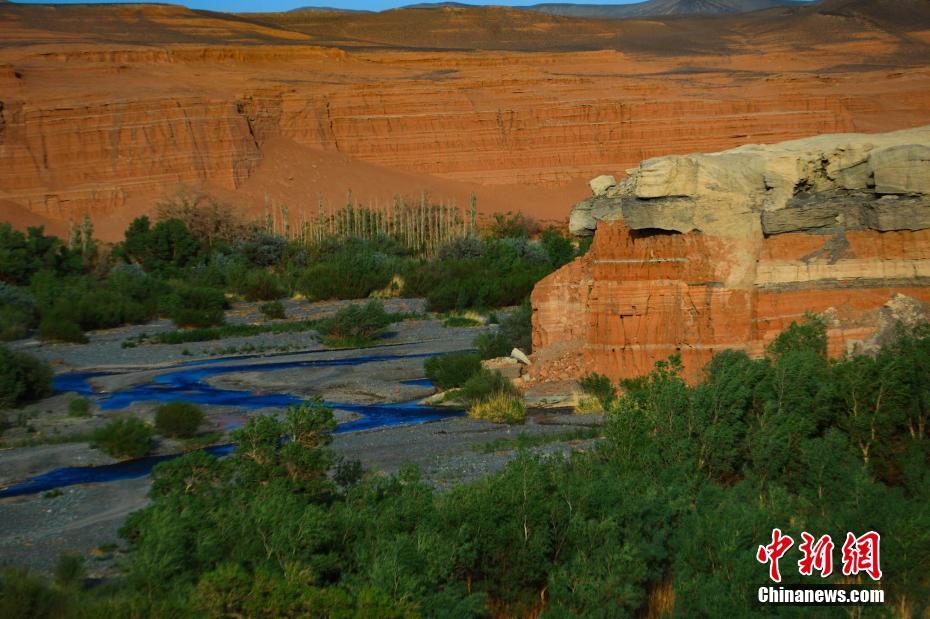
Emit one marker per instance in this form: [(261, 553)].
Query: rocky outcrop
[(694, 254)]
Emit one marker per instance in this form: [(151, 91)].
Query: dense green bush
[(193, 306), (264, 250), (69, 306), (356, 325), (483, 384), (60, 327), (515, 331), (452, 370), (178, 419), (167, 248), (273, 310), (517, 327), (260, 285), (128, 437), (23, 255), (503, 274), (24, 595), (458, 320), (23, 378), (493, 345), (15, 322), (17, 312), (559, 249), (352, 270)]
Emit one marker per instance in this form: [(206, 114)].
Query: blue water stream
[(187, 382)]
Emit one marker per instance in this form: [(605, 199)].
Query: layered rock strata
[(699, 253)]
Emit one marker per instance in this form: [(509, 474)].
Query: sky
[(245, 6)]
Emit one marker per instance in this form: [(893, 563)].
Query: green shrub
[(273, 310), (79, 407), (356, 324), (261, 285), (24, 595), (452, 370), (512, 225), (194, 306), (23, 378), (17, 313), (499, 407), (485, 383), (517, 327), (461, 321), (598, 386), (128, 296), (492, 345), (560, 250), (14, 323), (23, 255), (124, 438), (178, 419), (167, 248), (69, 571), (351, 273), (504, 274), (59, 327)]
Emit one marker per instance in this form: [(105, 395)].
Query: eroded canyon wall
[(89, 133), (696, 254)]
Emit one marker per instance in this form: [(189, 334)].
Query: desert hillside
[(106, 108)]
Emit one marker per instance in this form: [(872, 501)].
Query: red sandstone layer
[(105, 109), (635, 299)]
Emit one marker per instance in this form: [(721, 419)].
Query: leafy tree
[(23, 255), (165, 248)]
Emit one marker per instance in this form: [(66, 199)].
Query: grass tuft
[(500, 407)]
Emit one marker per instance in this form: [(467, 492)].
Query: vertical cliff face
[(94, 155), (697, 254)]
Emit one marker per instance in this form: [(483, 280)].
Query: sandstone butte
[(106, 108), (696, 254)]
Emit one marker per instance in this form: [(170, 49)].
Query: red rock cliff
[(108, 115), (697, 254)]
